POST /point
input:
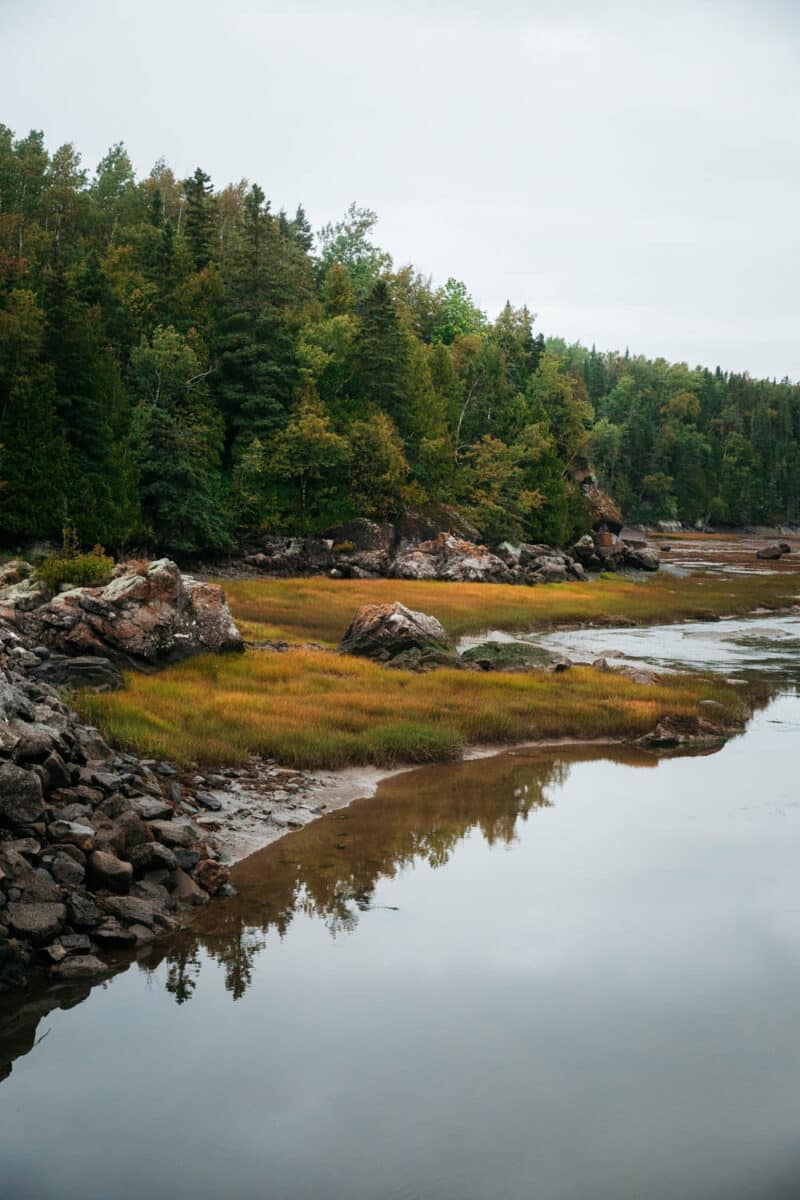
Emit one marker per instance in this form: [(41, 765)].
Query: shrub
[(81, 570)]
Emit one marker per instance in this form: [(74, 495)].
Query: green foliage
[(178, 367), (79, 570)]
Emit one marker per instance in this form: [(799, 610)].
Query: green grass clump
[(80, 570)]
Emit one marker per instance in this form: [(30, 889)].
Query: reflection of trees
[(182, 972), (330, 870)]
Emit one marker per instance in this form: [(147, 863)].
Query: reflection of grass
[(320, 609), (311, 708)]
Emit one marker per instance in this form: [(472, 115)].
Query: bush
[(81, 570)]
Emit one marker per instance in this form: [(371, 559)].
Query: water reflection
[(330, 871), (458, 990)]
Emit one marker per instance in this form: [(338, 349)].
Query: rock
[(14, 571), (172, 834), (38, 923), (549, 570), (64, 869), (150, 808), (79, 966), (772, 551), (142, 933), (507, 656), (35, 741), (211, 875), (57, 772), (112, 934), (73, 833), (678, 730), (187, 892), (396, 635), (83, 912), (152, 856), (131, 910), (108, 871), (75, 943), (144, 616), (451, 559), (93, 672), (641, 556), (21, 797), (208, 801)]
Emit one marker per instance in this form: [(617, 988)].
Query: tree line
[(186, 368)]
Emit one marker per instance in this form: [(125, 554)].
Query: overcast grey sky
[(628, 170)]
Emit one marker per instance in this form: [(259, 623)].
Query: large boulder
[(452, 559), (148, 614), (399, 637)]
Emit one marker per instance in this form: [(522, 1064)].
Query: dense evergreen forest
[(182, 368)]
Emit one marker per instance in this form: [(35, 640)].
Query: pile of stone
[(364, 549), (612, 552), (98, 851)]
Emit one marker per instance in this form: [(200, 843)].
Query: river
[(558, 975)]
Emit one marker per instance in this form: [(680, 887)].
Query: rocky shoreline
[(438, 543), (101, 852)]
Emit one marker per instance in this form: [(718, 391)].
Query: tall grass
[(320, 609), (310, 708)]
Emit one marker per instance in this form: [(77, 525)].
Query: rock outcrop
[(436, 542), (149, 614), (398, 637), (451, 559), (608, 547), (606, 551)]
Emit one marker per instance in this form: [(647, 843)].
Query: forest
[(184, 368)]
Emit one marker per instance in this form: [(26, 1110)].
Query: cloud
[(628, 170)]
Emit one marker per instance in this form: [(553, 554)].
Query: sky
[(630, 171)]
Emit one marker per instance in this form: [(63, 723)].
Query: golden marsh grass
[(312, 708), (319, 609)]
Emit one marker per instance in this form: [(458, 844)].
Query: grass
[(319, 609), (311, 708)]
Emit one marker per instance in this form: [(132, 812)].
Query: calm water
[(570, 977)]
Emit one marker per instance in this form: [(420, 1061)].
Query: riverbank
[(222, 755), (309, 708)]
